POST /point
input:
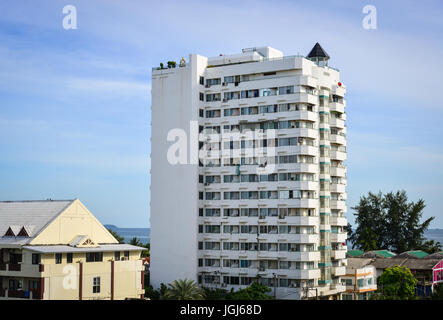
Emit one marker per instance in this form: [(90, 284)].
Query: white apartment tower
[(275, 215)]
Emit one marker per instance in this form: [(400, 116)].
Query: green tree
[(136, 242), (404, 230), (151, 293), (389, 222), (430, 246), (255, 291), (215, 294), (438, 292), (119, 238), (184, 290), (397, 283), (369, 232)]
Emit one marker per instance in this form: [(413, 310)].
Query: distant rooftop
[(418, 254), (355, 253)]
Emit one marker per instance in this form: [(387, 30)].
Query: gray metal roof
[(33, 215), (358, 263), (100, 248), (413, 264)]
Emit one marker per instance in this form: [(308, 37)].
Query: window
[(36, 258), (58, 258), (126, 254), (202, 96), (202, 80), (201, 113), (69, 257), (94, 256), (213, 82), (286, 90), (229, 79), (96, 285), (117, 256)]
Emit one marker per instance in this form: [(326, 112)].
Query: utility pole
[(275, 285), (355, 285)]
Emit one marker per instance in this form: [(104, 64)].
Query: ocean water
[(141, 234), (434, 234)]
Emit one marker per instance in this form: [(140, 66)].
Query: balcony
[(338, 155), (338, 187), (338, 271), (336, 123), (26, 270), (34, 294), (339, 139), (15, 267), (337, 106), (338, 254), (338, 204), (338, 237), (338, 171), (338, 221)]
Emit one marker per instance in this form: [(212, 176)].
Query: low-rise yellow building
[(58, 250), (360, 279)]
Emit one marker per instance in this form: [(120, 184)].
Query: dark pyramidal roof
[(318, 51)]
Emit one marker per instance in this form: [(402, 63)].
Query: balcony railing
[(34, 294), (15, 267), (18, 294)]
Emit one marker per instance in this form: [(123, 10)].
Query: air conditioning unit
[(224, 84), (207, 86)]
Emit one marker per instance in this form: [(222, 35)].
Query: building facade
[(265, 197), (57, 250), (360, 279)]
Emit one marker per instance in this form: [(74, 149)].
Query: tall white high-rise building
[(267, 201)]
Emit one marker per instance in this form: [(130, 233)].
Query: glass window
[(96, 285), (36, 258)]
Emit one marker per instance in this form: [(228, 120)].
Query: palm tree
[(184, 290), (136, 242)]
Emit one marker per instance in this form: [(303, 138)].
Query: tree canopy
[(184, 290), (119, 238), (389, 221), (255, 291), (396, 283)]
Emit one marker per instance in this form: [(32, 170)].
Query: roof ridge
[(47, 200)]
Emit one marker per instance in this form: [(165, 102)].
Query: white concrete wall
[(174, 188)]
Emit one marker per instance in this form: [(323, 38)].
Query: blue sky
[(75, 104)]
